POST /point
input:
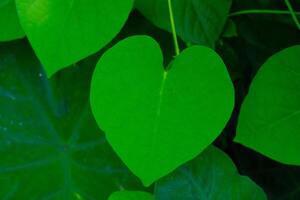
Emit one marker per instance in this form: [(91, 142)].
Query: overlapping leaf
[(10, 27), (50, 145), (212, 175), (269, 121), (155, 119), (64, 32), (197, 21)]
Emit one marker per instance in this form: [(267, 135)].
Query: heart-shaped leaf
[(269, 121), (155, 119), (64, 32), (212, 175), (197, 21), (50, 145), (10, 27), (131, 195)]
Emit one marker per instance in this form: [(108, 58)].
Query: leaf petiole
[(274, 12), (293, 14), (173, 27)]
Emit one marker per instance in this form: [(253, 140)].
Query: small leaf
[(10, 28), (197, 21), (212, 175), (157, 120), (64, 32), (230, 30), (50, 144), (131, 195), (269, 121)]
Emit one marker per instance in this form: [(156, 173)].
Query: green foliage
[(64, 32), (92, 88), (230, 30), (155, 128), (131, 195), (46, 152), (210, 174), (197, 21), (270, 115), (10, 27)]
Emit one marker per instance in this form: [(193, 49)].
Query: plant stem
[(275, 12), (177, 50), (293, 14)]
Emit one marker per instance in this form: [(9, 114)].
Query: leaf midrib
[(157, 116), (161, 92)]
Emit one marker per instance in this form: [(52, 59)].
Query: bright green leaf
[(10, 27), (211, 176), (157, 120), (64, 32), (131, 195), (197, 21), (50, 144), (269, 121)]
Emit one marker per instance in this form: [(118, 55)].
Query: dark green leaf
[(211, 176), (230, 29), (157, 120), (197, 21), (50, 145)]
